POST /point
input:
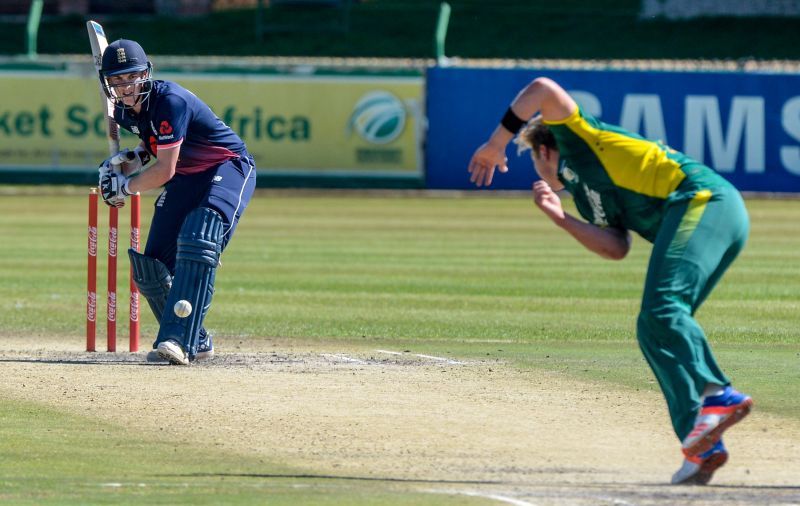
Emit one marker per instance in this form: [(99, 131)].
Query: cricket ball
[(182, 308)]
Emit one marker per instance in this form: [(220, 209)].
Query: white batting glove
[(134, 159), (114, 188)]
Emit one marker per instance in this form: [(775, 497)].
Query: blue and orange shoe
[(700, 469), (718, 414)]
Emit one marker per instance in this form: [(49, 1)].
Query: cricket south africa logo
[(568, 175), (378, 117)]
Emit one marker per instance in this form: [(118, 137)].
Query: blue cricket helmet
[(124, 57)]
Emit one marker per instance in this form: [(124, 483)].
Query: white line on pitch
[(619, 501), (345, 358), (501, 498), (442, 359), (389, 352), (431, 357)]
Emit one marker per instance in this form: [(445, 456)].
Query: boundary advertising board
[(744, 125), (291, 124)]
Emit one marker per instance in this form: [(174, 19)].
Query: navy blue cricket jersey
[(174, 116)]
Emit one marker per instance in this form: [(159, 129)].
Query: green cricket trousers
[(697, 241)]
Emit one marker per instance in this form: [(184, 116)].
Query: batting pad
[(199, 249), (153, 280)]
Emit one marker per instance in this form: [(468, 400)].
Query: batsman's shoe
[(205, 348), (700, 469), (172, 350), (203, 353), (718, 414), (154, 357)]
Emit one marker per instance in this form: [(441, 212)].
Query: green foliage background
[(405, 28)]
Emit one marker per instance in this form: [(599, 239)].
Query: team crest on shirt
[(569, 175), (597, 206), (135, 129)]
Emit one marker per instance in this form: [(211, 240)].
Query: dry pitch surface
[(424, 423)]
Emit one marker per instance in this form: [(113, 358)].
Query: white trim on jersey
[(241, 192)]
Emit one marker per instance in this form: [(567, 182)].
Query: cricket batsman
[(695, 219), (208, 179)]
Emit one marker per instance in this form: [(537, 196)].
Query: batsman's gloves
[(113, 188), (135, 159)]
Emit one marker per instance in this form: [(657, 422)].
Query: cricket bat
[(97, 38)]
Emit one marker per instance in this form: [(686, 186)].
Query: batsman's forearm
[(154, 176), (609, 243)]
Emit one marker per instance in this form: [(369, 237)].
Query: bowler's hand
[(483, 163), (548, 201)]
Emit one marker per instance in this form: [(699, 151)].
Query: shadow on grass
[(133, 361), (330, 477)]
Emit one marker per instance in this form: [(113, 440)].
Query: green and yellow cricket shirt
[(620, 179), (697, 223)]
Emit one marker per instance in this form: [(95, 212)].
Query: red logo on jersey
[(165, 128), (153, 145)]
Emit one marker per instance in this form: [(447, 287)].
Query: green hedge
[(405, 28)]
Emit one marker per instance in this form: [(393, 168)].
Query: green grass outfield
[(475, 275)]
